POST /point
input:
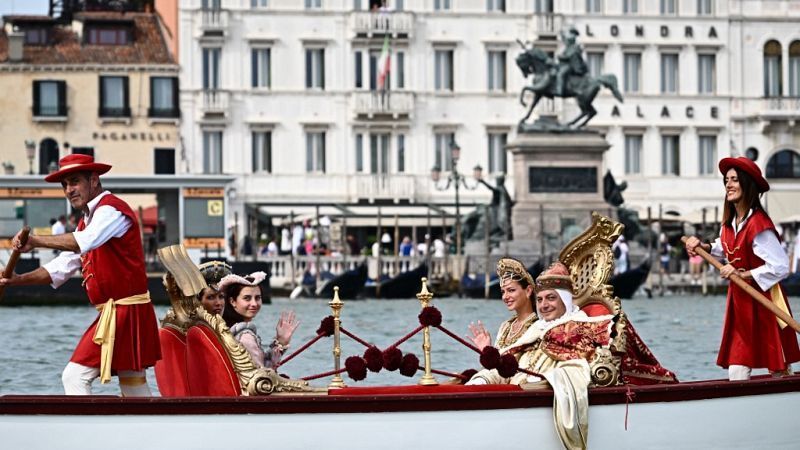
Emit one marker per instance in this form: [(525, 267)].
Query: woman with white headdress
[(243, 302)]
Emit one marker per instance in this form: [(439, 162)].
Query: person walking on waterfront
[(107, 248), (752, 337)]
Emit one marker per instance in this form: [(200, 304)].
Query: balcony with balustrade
[(546, 26), (780, 109), (214, 23), (378, 104), (214, 103), (397, 24)]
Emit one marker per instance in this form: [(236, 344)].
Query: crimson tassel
[(490, 357), (409, 365), (392, 358), (374, 359), (326, 327), (430, 317), (356, 368), (507, 367)]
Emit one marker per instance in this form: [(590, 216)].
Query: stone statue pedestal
[(558, 182)]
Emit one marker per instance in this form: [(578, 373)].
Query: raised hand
[(479, 335), (286, 325)]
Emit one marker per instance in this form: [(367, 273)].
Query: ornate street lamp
[(30, 152), (458, 181)]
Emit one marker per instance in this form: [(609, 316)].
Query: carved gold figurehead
[(183, 282)]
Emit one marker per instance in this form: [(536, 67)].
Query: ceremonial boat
[(215, 397)]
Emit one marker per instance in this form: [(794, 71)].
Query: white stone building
[(283, 94)]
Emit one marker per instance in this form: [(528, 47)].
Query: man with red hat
[(752, 336), (107, 248)]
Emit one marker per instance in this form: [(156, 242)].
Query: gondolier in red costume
[(752, 336), (107, 248)]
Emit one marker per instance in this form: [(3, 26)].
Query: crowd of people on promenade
[(302, 239)]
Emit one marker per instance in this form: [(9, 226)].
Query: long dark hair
[(750, 196), (232, 291)]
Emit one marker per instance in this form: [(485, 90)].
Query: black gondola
[(350, 284), (627, 283), (404, 285), (473, 287)]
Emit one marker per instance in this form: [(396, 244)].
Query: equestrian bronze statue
[(567, 77)]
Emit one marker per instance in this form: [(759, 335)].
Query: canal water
[(682, 331)]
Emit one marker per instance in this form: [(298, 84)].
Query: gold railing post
[(336, 307), (425, 297)]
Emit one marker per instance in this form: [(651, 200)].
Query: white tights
[(77, 380), (739, 373)]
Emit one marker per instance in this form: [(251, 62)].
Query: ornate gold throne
[(591, 264)]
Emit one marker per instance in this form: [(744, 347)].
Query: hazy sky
[(24, 6)]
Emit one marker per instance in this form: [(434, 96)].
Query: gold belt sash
[(107, 328), (780, 302)]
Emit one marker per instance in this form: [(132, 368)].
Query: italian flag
[(384, 64)]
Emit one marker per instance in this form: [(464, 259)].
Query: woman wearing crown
[(516, 289)]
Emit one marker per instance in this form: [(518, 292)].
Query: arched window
[(48, 155), (773, 86), (794, 69), (784, 164)]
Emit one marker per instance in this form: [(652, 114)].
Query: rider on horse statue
[(571, 60)]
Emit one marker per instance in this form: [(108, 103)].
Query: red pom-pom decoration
[(508, 366), (392, 358), (409, 365), (490, 357), (356, 368), (374, 359), (430, 317), (467, 375), (326, 327)]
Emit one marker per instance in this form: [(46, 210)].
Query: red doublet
[(751, 335), (115, 270)]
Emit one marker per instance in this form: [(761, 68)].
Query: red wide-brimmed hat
[(76, 163), (748, 166)]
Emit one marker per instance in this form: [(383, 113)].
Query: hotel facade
[(284, 95)]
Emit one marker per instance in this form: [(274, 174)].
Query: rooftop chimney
[(16, 41)]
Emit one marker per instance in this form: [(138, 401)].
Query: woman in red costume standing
[(752, 337)]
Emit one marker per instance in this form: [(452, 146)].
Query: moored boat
[(402, 285), (627, 283)]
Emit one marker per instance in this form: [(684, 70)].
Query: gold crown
[(510, 269)]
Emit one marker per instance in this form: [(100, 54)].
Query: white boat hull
[(731, 421)]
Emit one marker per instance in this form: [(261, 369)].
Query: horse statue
[(584, 88)]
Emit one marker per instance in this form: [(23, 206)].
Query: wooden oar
[(757, 296), (12, 261)]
